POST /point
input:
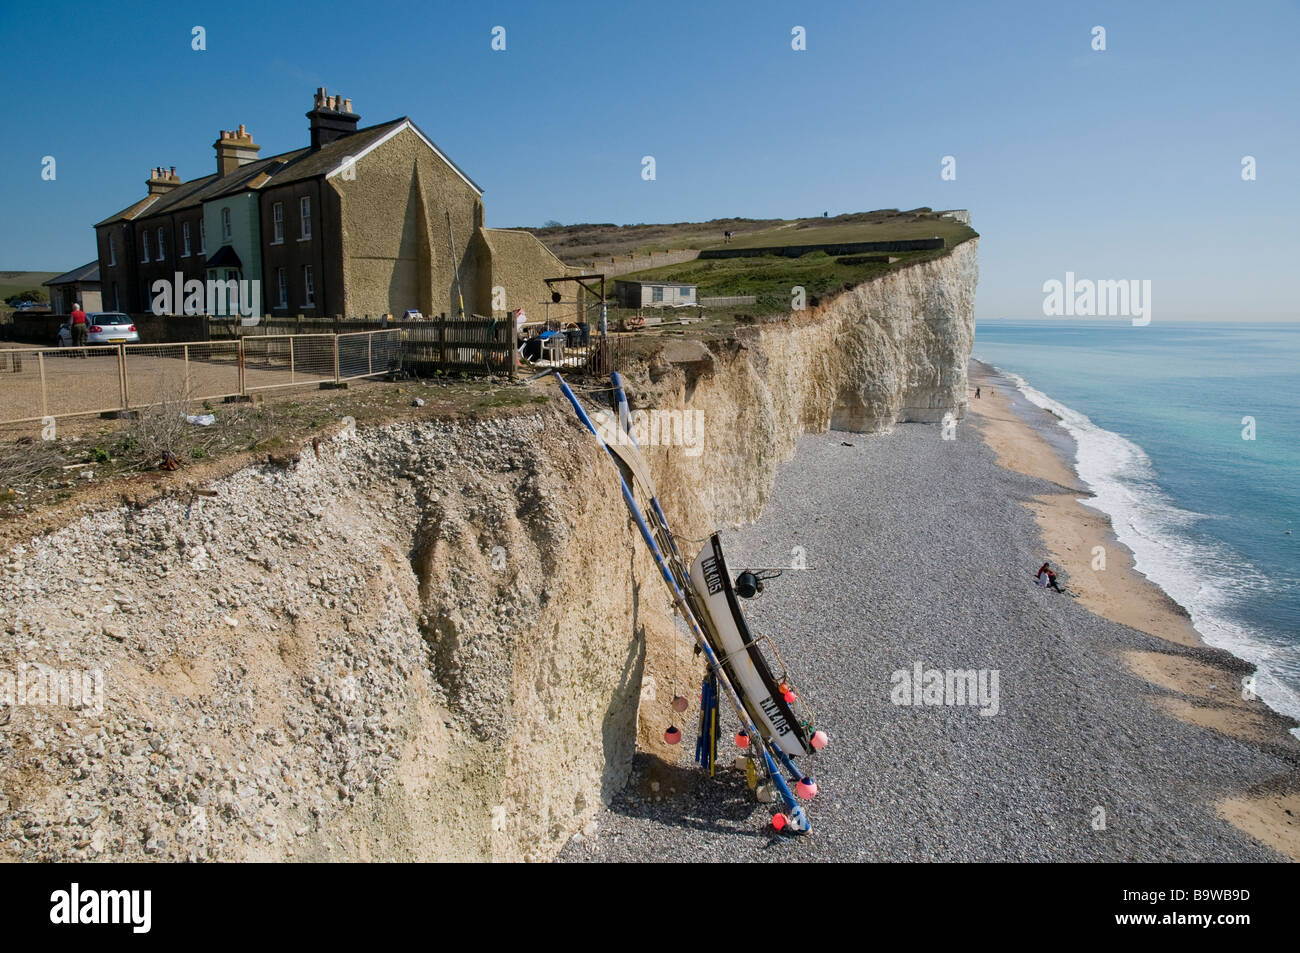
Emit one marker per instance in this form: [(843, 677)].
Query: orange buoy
[(742, 739), (672, 735)]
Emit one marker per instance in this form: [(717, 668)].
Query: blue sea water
[(1157, 414)]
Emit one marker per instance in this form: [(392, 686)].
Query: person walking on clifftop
[(79, 328)]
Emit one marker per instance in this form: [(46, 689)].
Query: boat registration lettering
[(712, 577), (779, 724)]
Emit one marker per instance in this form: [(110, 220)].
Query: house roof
[(282, 169), (662, 284), (224, 257), (87, 272)]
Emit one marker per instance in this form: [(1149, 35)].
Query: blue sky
[(1117, 164)]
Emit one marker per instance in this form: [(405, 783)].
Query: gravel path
[(921, 552)]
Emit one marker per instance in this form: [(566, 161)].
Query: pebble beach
[(1112, 733)]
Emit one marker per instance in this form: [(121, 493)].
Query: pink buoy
[(779, 821), (672, 735), (742, 740), (680, 703), (789, 697), (819, 740), (806, 789)]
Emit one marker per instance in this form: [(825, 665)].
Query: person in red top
[(78, 326)]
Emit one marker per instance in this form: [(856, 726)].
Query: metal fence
[(36, 383)]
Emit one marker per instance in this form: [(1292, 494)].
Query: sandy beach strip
[(1204, 694), (921, 552)]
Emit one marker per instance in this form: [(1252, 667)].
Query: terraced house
[(361, 221)]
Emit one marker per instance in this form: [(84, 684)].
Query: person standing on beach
[(977, 393)]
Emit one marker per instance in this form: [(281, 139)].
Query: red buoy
[(819, 740), (672, 735), (789, 697), (779, 821), (783, 688), (806, 789), (680, 703), (742, 740)]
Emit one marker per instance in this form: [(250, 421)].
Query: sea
[(1188, 434)]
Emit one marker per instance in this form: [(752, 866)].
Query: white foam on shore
[(1202, 576)]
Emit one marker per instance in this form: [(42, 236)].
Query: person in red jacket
[(78, 327)]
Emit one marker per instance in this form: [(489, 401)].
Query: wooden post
[(291, 376), (442, 344), (45, 400), (239, 361), (186, 354), (121, 376), (336, 358), (370, 354)]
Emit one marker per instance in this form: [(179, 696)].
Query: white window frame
[(185, 240), (304, 219), (162, 254), (226, 228), (308, 287), (277, 223), (282, 285)]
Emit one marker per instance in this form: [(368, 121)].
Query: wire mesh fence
[(36, 383)]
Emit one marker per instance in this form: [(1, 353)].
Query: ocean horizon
[(1188, 435)]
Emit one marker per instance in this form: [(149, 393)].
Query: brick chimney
[(161, 181), (331, 118), (234, 148)]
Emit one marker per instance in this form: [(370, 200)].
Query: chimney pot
[(347, 105)]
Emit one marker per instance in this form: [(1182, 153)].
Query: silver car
[(102, 327)]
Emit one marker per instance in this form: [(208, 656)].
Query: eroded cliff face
[(889, 351), (426, 640)]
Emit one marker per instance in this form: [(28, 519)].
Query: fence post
[(121, 376), (45, 399), (336, 358), (442, 343), (239, 361), (187, 371), (291, 377), (370, 353)]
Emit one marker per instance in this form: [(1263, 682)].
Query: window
[(112, 251), (203, 237), (686, 293), (185, 239), (225, 224), (277, 219), (161, 254), (308, 287), (657, 293), (304, 216), (282, 280), (144, 247)]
